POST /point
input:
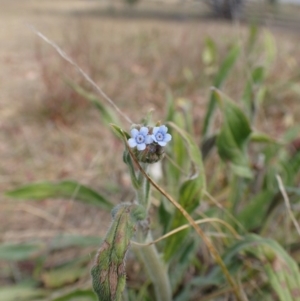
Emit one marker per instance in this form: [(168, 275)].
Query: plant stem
[(153, 263), (205, 239), (156, 269), (143, 193)]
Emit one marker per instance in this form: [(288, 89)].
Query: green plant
[(238, 225)]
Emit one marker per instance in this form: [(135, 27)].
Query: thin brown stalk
[(183, 227), (287, 203), (231, 216), (84, 74)]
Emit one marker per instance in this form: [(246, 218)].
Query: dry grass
[(135, 61)]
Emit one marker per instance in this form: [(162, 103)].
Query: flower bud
[(151, 154)]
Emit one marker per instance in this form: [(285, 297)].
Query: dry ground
[(136, 61)]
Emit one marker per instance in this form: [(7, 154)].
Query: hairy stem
[(152, 261), (156, 269)]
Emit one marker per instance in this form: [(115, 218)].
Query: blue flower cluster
[(140, 138)]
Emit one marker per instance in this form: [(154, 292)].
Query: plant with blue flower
[(148, 143), (160, 135), (140, 138)]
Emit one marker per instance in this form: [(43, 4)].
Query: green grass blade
[(119, 132), (62, 276), (17, 252), (190, 192), (254, 212), (77, 295), (234, 134), (209, 53), (249, 96), (170, 107), (252, 38), (193, 152), (63, 189), (226, 66), (189, 198), (178, 153), (108, 116), (21, 293), (66, 240), (283, 272)]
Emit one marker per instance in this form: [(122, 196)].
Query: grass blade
[(63, 189), (226, 66)]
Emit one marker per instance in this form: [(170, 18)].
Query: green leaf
[(193, 153), (66, 240), (170, 107), (182, 262), (292, 133), (252, 39), (270, 47), (254, 212), (63, 276), (20, 293), (233, 136), (119, 132), (262, 138), (108, 116), (226, 66), (77, 295), (108, 271), (190, 192), (128, 161), (258, 75), (283, 272), (249, 97), (228, 148), (236, 121), (189, 198), (209, 53), (19, 251), (63, 189), (164, 214), (291, 167), (242, 171), (207, 145), (178, 153)]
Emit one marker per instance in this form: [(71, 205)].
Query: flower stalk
[(155, 267), (147, 145)]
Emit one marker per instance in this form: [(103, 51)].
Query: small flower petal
[(154, 138), (141, 146), (162, 143), (132, 142), (168, 138), (144, 131), (148, 139), (134, 133), (155, 130), (163, 129)]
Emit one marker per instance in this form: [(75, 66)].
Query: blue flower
[(140, 138), (160, 135)]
